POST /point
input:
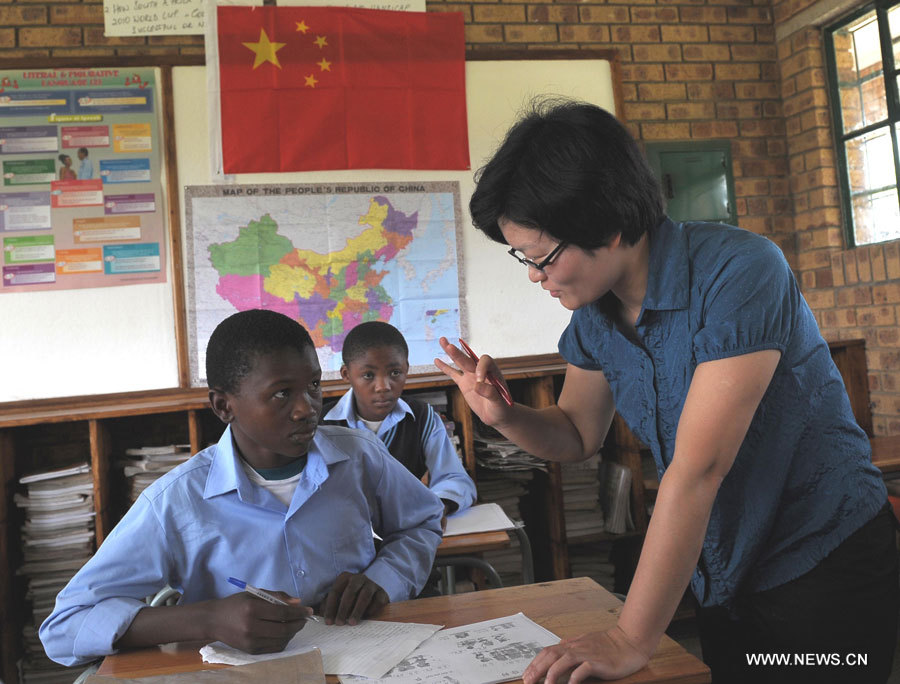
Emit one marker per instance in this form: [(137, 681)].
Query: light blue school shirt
[(448, 478), (803, 480), (205, 521)]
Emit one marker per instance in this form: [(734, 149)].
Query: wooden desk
[(473, 543), (566, 607)]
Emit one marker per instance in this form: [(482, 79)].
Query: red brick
[(635, 34), (643, 111), (531, 33), (487, 14), (656, 53), (685, 33), (703, 15), (689, 111), (665, 131), (604, 14), (705, 52), (78, 15), (732, 34), (737, 72), (654, 15), (748, 15), (715, 90), (689, 72), (584, 33), (643, 73), (484, 33), (661, 91), (714, 129), (22, 15), (556, 14), (49, 37)]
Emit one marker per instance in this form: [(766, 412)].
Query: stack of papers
[(370, 648), (57, 539), (495, 452), (142, 466), (486, 652), (485, 517), (581, 499), (615, 497)]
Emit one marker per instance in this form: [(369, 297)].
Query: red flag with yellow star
[(311, 88)]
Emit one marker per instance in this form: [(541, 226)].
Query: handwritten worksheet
[(481, 653), (369, 649)]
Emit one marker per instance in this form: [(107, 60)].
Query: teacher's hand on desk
[(481, 396), (254, 625), (352, 597), (608, 655)]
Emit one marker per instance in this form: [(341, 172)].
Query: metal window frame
[(890, 74)]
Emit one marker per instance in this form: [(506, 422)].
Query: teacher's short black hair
[(370, 335), (572, 170), (239, 340)]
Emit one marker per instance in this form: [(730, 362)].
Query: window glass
[(873, 191), (894, 26), (857, 51)]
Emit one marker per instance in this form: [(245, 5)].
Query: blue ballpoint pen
[(264, 595)]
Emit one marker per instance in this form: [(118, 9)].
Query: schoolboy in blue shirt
[(279, 502), (376, 364)]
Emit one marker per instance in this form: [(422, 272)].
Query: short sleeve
[(750, 301), (579, 340)]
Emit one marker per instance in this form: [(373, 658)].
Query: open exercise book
[(481, 518), (486, 652)]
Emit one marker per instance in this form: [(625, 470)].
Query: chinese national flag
[(311, 88)]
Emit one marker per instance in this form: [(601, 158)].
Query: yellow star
[(265, 50), (311, 81), (321, 41), (302, 27), (324, 65)]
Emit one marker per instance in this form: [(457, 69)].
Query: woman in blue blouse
[(698, 335)]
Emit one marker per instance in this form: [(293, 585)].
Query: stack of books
[(581, 499), (57, 539), (144, 465), (594, 561), (505, 473)]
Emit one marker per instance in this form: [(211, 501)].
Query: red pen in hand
[(490, 378)]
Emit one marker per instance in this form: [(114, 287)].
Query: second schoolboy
[(375, 363), (278, 502)]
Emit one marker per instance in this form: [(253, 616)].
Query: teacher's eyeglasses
[(544, 263)]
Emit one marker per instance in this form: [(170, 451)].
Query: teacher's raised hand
[(473, 380)]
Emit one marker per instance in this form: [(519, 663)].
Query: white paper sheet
[(369, 649), (481, 653), (481, 518)]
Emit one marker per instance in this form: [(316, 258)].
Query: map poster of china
[(330, 256)]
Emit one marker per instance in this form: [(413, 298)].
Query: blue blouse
[(802, 480)]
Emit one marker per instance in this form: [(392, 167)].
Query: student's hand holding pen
[(255, 625), (480, 381), (352, 597)]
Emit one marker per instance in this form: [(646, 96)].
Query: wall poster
[(81, 202)]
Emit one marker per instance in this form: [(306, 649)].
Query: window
[(862, 53)]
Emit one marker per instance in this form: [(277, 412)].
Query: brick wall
[(692, 69), (855, 293)]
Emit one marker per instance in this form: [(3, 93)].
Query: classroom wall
[(750, 71), (855, 293)]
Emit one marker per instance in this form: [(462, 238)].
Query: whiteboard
[(59, 344)]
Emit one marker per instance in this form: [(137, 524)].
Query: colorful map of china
[(328, 293)]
